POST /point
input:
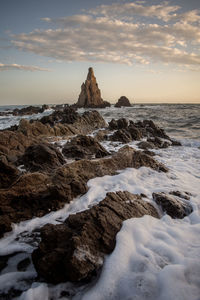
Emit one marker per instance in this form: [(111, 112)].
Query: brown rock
[(75, 250), (173, 206), (118, 124), (42, 156), (35, 194), (84, 147), (90, 95), (8, 173), (123, 101)]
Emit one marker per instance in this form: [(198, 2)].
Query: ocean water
[(153, 259)]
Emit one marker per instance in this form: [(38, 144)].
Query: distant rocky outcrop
[(90, 95), (75, 249), (123, 101), (29, 110)]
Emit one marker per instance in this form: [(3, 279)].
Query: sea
[(154, 259)]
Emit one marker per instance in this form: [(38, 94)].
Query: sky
[(147, 50)]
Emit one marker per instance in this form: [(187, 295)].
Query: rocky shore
[(47, 163)]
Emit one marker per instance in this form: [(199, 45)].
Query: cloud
[(110, 33), (8, 67)]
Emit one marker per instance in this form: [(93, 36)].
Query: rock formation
[(123, 101), (90, 95), (84, 147), (75, 249), (177, 207)]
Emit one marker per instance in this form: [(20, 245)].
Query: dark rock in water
[(145, 145), (175, 143), (90, 95), (102, 135), (30, 110), (8, 173), (135, 132), (150, 153), (84, 147), (42, 157), (35, 194), (121, 135), (158, 143), (176, 208), (184, 195), (118, 124), (75, 250), (66, 116), (123, 101), (23, 264)]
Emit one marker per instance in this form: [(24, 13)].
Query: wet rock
[(173, 206), (123, 101), (42, 157), (145, 145), (84, 147), (135, 132), (23, 264), (90, 95), (68, 115), (184, 195), (118, 124), (159, 143), (175, 143), (30, 110), (35, 194), (8, 173), (150, 153), (102, 135), (75, 250), (121, 135)]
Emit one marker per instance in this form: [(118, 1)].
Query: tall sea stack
[(90, 95)]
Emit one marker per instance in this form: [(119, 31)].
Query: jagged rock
[(8, 173), (35, 194), (75, 250), (123, 101), (102, 135), (121, 135), (150, 153), (90, 95), (158, 143), (13, 143), (175, 207), (84, 147), (66, 116), (118, 124), (39, 157), (184, 195)]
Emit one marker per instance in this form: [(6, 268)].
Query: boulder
[(90, 95), (42, 156), (123, 101), (8, 172), (121, 135), (118, 124), (175, 207), (75, 250), (84, 147)]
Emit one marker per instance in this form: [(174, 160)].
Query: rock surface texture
[(35, 194), (90, 95), (123, 101), (83, 146), (75, 249), (177, 207)]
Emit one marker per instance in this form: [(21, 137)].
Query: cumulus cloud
[(110, 33), (8, 67)]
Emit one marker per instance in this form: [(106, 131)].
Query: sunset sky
[(145, 50)]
